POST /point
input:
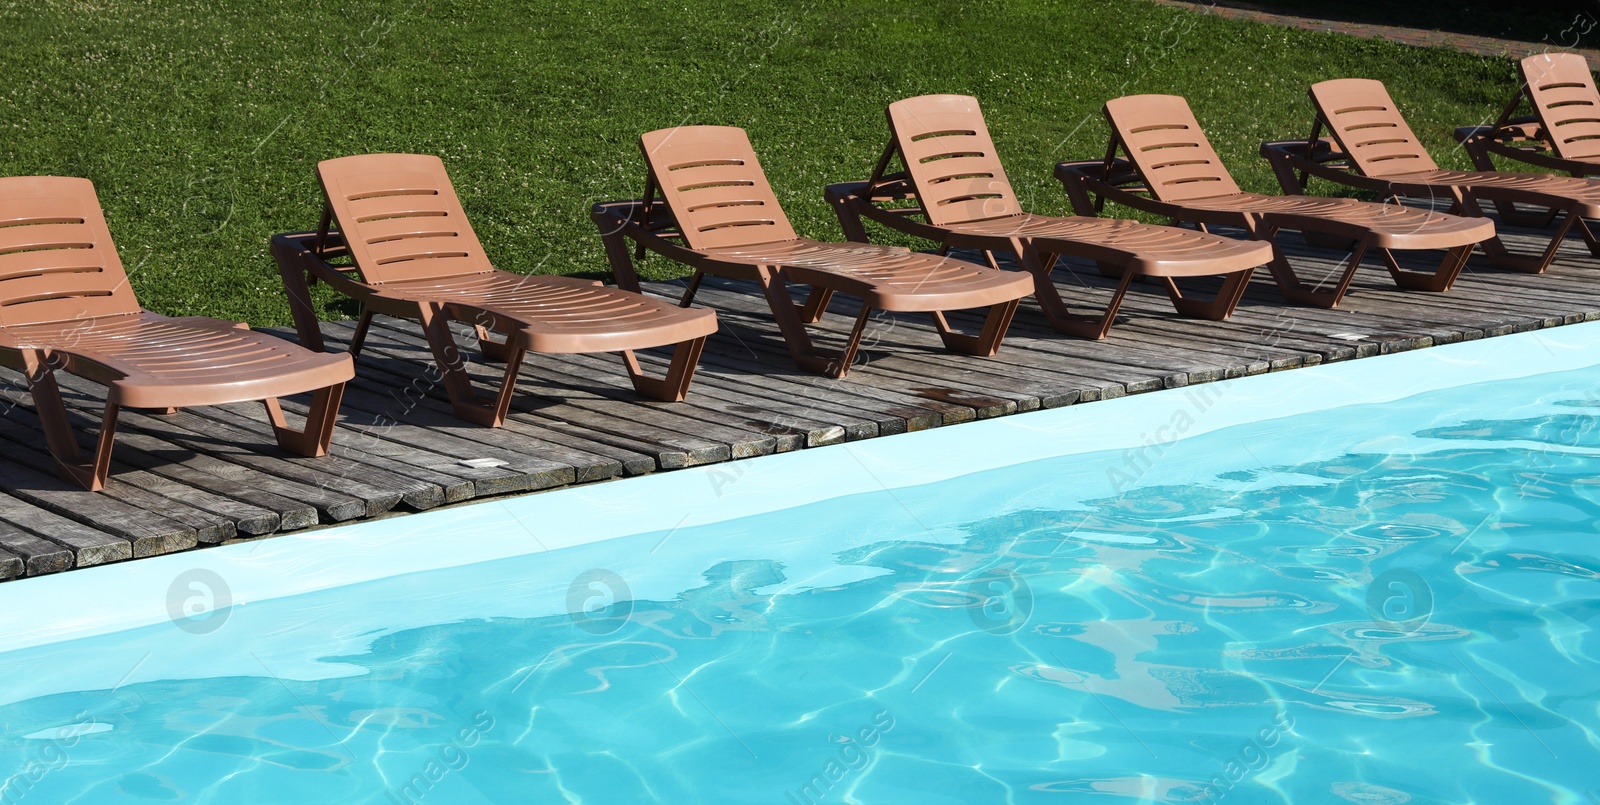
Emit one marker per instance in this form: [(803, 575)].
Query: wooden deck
[(212, 475)]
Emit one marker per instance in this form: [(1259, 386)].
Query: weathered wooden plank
[(592, 460), (152, 510), (215, 516), (285, 501), (440, 485), (957, 399), (640, 423), (85, 545), (240, 448), (428, 423), (437, 450), (36, 555), (11, 565)]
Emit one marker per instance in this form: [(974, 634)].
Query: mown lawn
[(201, 122)]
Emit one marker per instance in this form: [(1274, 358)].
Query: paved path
[(1585, 28)]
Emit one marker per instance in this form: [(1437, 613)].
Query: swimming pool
[(1372, 582)]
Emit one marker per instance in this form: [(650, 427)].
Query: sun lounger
[(1171, 169), (413, 254), (965, 201), (66, 305), (1371, 147), (1565, 120), (718, 215)]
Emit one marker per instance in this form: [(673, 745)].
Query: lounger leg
[(497, 351), (789, 324), (1061, 320), (1083, 202), (844, 208), (1088, 328), (1500, 257), (313, 439), (1466, 204), (1451, 266), (1291, 181), (1439, 281), (694, 288), (290, 261), (1589, 238), (1349, 274), (987, 342), (58, 430), (616, 246), (359, 338), (816, 305), (1218, 308), (508, 387), (675, 386), (1289, 283), (457, 384), (842, 366), (1044, 289)]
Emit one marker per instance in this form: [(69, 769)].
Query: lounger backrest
[(57, 261), (951, 160), (715, 187), (1164, 141), (1364, 121), (401, 218), (1563, 94)]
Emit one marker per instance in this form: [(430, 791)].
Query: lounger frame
[(965, 201), (68, 307), (740, 232), (1158, 134), (468, 290), (1339, 159)]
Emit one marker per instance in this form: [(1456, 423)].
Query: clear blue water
[(1376, 604)]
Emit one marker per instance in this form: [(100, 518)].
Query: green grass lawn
[(201, 123)]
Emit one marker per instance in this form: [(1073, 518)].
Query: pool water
[(1376, 603)]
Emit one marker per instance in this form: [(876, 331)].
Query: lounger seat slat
[(708, 177), (18, 264), (44, 236)]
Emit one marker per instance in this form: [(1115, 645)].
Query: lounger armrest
[(345, 280), (624, 217), (1292, 165), (1519, 143), (619, 221), (1518, 130), (1124, 186), (854, 197)]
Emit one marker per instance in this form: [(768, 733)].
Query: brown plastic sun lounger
[(412, 254), (1171, 169), (1565, 120), (718, 215), (965, 201), (1371, 147), (65, 304)]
